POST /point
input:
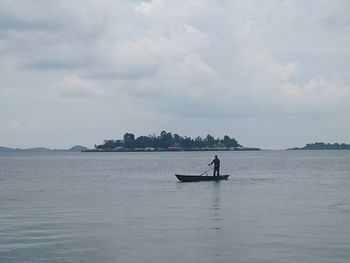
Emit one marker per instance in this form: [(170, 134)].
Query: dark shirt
[(216, 163)]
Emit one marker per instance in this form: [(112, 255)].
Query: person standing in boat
[(216, 163)]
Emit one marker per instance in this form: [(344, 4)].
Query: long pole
[(206, 171)]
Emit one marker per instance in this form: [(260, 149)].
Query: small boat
[(198, 178)]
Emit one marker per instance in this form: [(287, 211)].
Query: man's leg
[(216, 171)]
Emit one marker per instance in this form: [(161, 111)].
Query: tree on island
[(129, 140), (167, 141)]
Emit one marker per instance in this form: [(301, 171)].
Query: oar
[(206, 171)]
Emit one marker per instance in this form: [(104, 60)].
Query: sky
[(272, 74)]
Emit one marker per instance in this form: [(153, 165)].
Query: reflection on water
[(125, 207), (216, 202)]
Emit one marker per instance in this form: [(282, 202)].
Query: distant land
[(76, 148), (167, 141), (323, 146)]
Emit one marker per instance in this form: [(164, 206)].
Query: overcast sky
[(272, 74)]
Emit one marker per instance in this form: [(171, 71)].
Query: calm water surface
[(277, 206)]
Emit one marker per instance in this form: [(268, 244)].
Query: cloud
[(195, 67), (251, 79), (146, 56), (318, 94), (11, 23), (196, 59), (75, 87), (160, 9), (20, 125), (129, 59), (146, 8)]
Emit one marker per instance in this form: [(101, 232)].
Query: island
[(323, 146), (167, 141)]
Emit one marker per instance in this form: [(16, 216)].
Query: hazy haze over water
[(277, 206)]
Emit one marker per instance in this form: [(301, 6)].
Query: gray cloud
[(9, 23), (54, 64)]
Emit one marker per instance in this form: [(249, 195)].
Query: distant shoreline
[(79, 148), (175, 150), (321, 146), (76, 148)]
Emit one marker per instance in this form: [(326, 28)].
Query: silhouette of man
[(216, 163)]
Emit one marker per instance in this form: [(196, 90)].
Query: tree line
[(166, 140), (326, 146)]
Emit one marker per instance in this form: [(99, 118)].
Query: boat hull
[(199, 178)]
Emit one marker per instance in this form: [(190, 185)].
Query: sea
[(276, 207)]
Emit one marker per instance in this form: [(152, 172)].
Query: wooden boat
[(198, 178)]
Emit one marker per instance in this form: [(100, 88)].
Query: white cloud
[(75, 87), (317, 94), (171, 9), (146, 8), (20, 125), (194, 66), (147, 57)]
